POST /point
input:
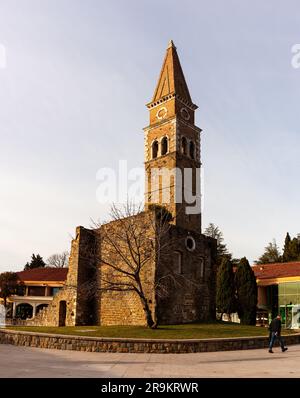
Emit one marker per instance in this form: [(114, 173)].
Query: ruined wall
[(49, 316), (78, 292), (82, 276)]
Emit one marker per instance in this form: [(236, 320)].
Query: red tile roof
[(277, 270), (44, 274)]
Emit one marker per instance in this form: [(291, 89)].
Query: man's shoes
[(284, 349), (271, 352)]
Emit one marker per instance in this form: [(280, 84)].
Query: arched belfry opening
[(164, 146), (154, 149), (183, 145), (192, 150)]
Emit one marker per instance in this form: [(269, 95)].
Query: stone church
[(176, 275)]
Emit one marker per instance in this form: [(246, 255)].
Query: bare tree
[(58, 260), (130, 246)]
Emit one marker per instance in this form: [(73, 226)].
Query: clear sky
[(72, 100)]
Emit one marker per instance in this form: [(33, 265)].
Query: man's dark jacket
[(275, 326)]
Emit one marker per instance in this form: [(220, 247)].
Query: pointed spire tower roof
[(171, 79)]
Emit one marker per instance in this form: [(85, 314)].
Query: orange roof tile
[(277, 270), (43, 274)]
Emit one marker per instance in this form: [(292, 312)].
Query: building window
[(36, 291), (154, 149), (40, 307), (289, 304), (24, 311), (164, 146), (183, 145), (185, 113), (178, 262), (21, 290), (192, 150), (190, 243), (54, 291), (201, 267)]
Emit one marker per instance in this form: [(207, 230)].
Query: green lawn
[(188, 331)]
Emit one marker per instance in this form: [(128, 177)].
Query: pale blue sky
[(72, 100)]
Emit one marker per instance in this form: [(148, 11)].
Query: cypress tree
[(294, 250), (225, 298), (246, 290), (286, 250)]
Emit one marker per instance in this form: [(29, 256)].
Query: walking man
[(275, 332)]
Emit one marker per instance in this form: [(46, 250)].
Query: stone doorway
[(62, 313)]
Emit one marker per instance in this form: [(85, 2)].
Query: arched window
[(164, 145), (192, 150), (177, 262), (40, 307), (154, 149), (183, 145), (24, 311)]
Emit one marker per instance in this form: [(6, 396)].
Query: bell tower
[(172, 147)]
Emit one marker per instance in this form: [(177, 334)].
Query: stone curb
[(131, 345)]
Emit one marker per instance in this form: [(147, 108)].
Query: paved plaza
[(36, 362)]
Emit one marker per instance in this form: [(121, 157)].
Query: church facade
[(165, 256)]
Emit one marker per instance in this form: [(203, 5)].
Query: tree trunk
[(148, 313), (146, 308)]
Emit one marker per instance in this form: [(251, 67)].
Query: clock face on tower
[(162, 113), (185, 113)]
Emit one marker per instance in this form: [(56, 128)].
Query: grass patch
[(187, 331)]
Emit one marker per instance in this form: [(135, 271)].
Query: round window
[(190, 243), (185, 113)]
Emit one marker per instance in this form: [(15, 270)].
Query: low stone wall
[(16, 322), (97, 344)]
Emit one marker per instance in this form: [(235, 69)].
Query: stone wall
[(190, 295), (93, 344), (174, 296), (82, 276), (118, 306)]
